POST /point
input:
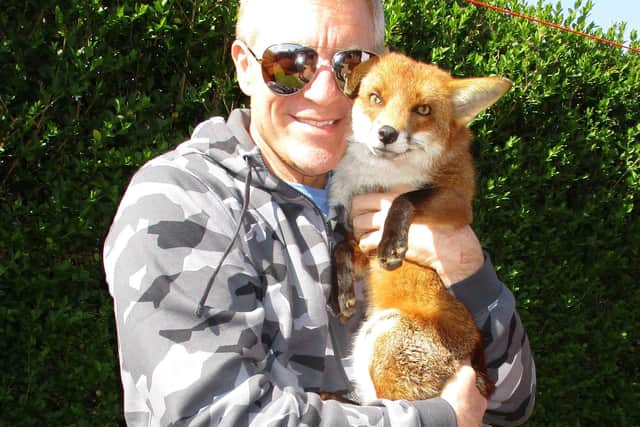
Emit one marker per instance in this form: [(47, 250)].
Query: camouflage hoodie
[(263, 341)]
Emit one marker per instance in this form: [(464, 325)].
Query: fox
[(410, 127)]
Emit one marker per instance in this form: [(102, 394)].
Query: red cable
[(551, 24)]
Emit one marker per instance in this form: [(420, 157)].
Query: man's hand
[(455, 253), (463, 395)]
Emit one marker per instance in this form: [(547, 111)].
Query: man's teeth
[(318, 123)]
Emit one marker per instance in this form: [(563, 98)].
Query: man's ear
[(241, 59)]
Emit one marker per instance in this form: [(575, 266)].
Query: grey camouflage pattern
[(267, 341)]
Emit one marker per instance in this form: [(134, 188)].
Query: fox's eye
[(375, 98), (423, 110)]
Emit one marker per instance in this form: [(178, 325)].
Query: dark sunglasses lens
[(286, 68), (345, 62)]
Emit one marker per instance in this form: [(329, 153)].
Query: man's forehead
[(275, 4), (299, 21), (290, 12)]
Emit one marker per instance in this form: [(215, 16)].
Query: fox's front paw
[(391, 251), (344, 279), (395, 235), (347, 303), (346, 300)]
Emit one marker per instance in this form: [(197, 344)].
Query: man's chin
[(315, 164)]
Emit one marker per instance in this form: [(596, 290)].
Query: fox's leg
[(394, 243), (432, 205), (343, 294), (350, 264)]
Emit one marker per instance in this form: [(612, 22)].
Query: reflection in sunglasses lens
[(287, 68)]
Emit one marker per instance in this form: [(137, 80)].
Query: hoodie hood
[(230, 145)]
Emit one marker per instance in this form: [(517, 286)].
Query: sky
[(606, 12)]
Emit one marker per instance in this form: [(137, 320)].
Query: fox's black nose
[(387, 134)]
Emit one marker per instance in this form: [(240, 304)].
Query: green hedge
[(91, 90)]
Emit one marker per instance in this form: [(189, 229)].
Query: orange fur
[(410, 128)]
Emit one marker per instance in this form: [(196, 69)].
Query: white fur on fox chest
[(360, 172), (378, 323)]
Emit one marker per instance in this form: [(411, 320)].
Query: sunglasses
[(288, 67)]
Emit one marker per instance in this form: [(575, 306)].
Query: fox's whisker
[(352, 140)]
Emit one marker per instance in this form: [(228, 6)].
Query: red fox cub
[(409, 128)]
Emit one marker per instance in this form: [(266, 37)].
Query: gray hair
[(246, 29)]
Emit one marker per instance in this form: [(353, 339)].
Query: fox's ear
[(352, 83), (472, 95)]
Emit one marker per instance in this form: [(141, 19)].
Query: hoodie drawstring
[(245, 205)]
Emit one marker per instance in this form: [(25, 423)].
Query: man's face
[(303, 136)]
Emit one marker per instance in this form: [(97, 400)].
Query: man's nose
[(323, 88)]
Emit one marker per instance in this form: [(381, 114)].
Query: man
[(218, 259)]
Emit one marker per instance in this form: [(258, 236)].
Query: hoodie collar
[(228, 144)]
